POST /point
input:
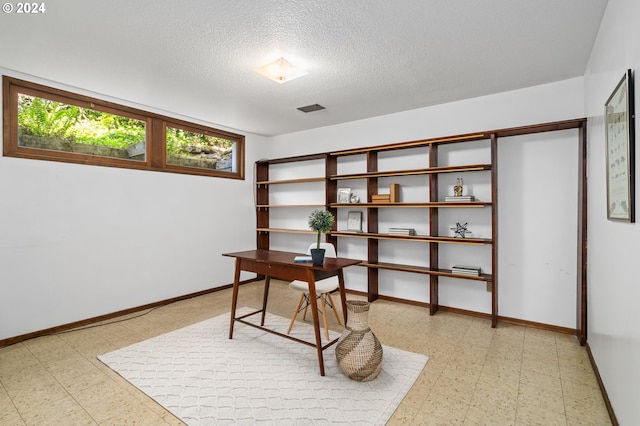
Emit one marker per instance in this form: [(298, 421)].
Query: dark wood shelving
[(284, 181), (432, 170), (418, 238), (287, 231), (429, 204), (426, 270), (268, 206)]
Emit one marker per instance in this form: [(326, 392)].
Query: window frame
[(155, 125)]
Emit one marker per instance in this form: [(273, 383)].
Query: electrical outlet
[(489, 286)]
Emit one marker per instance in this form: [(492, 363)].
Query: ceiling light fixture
[(280, 71)]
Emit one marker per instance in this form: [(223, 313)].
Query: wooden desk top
[(275, 257)]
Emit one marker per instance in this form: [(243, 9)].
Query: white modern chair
[(323, 290)]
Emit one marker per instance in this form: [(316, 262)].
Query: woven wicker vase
[(358, 350)]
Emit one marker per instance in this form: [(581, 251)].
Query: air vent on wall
[(311, 108)]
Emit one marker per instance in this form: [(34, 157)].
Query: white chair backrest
[(329, 249)]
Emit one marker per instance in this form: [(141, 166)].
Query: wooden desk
[(280, 264)]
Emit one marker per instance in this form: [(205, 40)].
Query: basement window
[(49, 124)]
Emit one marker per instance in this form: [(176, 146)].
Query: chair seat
[(323, 286)]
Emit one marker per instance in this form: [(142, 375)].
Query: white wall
[(79, 241), (546, 292), (614, 287)]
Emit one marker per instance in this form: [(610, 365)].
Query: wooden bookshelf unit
[(437, 164)]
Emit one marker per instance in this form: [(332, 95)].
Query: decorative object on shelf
[(344, 195), (354, 199), (457, 189), (620, 138), (354, 221), (402, 231), (460, 230), (321, 222), (457, 193), (358, 351), (473, 271)]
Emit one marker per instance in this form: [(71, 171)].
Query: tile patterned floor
[(476, 375)]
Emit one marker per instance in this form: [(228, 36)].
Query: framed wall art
[(354, 221), (344, 195), (619, 116)]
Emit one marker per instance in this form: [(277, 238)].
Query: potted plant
[(321, 222)]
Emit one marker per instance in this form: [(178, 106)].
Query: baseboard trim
[(543, 326), (603, 390), (105, 317), (476, 314)]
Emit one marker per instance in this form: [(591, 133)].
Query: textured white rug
[(204, 378)]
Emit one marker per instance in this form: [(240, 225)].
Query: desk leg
[(316, 320), (234, 298), (265, 296), (343, 295)]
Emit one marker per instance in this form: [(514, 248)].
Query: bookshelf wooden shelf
[(417, 238), (430, 158), (287, 181), (435, 204), (267, 206), (426, 270), (287, 231), (431, 170)]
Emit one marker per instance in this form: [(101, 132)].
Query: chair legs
[(295, 313), (333, 305), (325, 299)]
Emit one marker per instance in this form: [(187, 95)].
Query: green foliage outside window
[(46, 118)]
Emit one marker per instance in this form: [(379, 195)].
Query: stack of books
[(459, 198), (402, 231), (380, 198), (302, 259), (392, 197), (466, 270)]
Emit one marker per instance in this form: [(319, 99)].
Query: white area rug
[(204, 378)]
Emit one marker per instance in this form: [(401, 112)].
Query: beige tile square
[(497, 399), (441, 410), (34, 391), (585, 403), (540, 381), (533, 399), (541, 366), (65, 411), (478, 417)]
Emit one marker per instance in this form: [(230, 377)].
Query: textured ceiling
[(364, 57)]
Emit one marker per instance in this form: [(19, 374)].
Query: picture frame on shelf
[(619, 116), (354, 221), (344, 195)]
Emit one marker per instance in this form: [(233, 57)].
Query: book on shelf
[(466, 270), (302, 259), (459, 198), (394, 193), (380, 198), (402, 231)]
